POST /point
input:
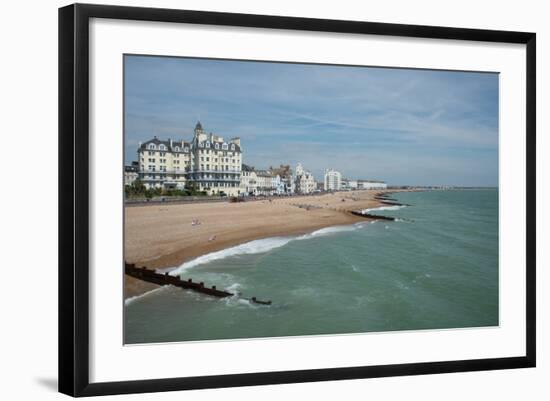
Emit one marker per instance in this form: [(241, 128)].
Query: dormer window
[(232, 147), (186, 149), (217, 146), (207, 144), (224, 146), (177, 148), (162, 147), (151, 146), (201, 145)]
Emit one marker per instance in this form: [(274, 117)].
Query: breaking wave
[(135, 298), (259, 246), (375, 209), (248, 248), (329, 230)]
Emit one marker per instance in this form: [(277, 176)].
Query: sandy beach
[(160, 236)]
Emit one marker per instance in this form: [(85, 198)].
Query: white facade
[(304, 181), (249, 180), (207, 163), (265, 183), (352, 185), (131, 174), (367, 184), (333, 180), (260, 182)]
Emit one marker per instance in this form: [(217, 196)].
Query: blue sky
[(417, 127)]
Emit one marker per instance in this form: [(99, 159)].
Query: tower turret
[(198, 128)]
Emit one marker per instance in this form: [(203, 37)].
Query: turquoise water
[(437, 267)]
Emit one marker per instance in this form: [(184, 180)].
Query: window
[(207, 144), (224, 146), (151, 146), (162, 147), (177, 148), (186, 149), (217, 146), (151, 153), (232, 147)]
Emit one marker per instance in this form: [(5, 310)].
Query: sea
[(435, 267)]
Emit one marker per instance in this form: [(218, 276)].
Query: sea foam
[(375, 209), (328, 231), (248, 248), (135, 298), (259, 246)]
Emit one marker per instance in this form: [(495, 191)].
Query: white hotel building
[(207, 163), (333, 180)]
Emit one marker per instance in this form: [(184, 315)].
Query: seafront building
[(351, 185), (206, 163), (260, 182), (268, 183), (286, 179), (303, 181), (371, 184), (333, 180), (131, 173), (249, 180), (209, 163)]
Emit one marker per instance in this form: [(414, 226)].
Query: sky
[(403, 126)]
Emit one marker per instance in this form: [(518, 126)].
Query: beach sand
[(160, 236)]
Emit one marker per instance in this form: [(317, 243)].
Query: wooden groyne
[(396, 203), (373, 216), (385, 199), (151, 276)]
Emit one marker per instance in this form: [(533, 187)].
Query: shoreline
[(162, 236)]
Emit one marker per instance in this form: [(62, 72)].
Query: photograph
[(272, 199)]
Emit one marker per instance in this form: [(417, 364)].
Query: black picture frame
[(74, 200)]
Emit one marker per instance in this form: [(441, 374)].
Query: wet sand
[(160, 236)]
